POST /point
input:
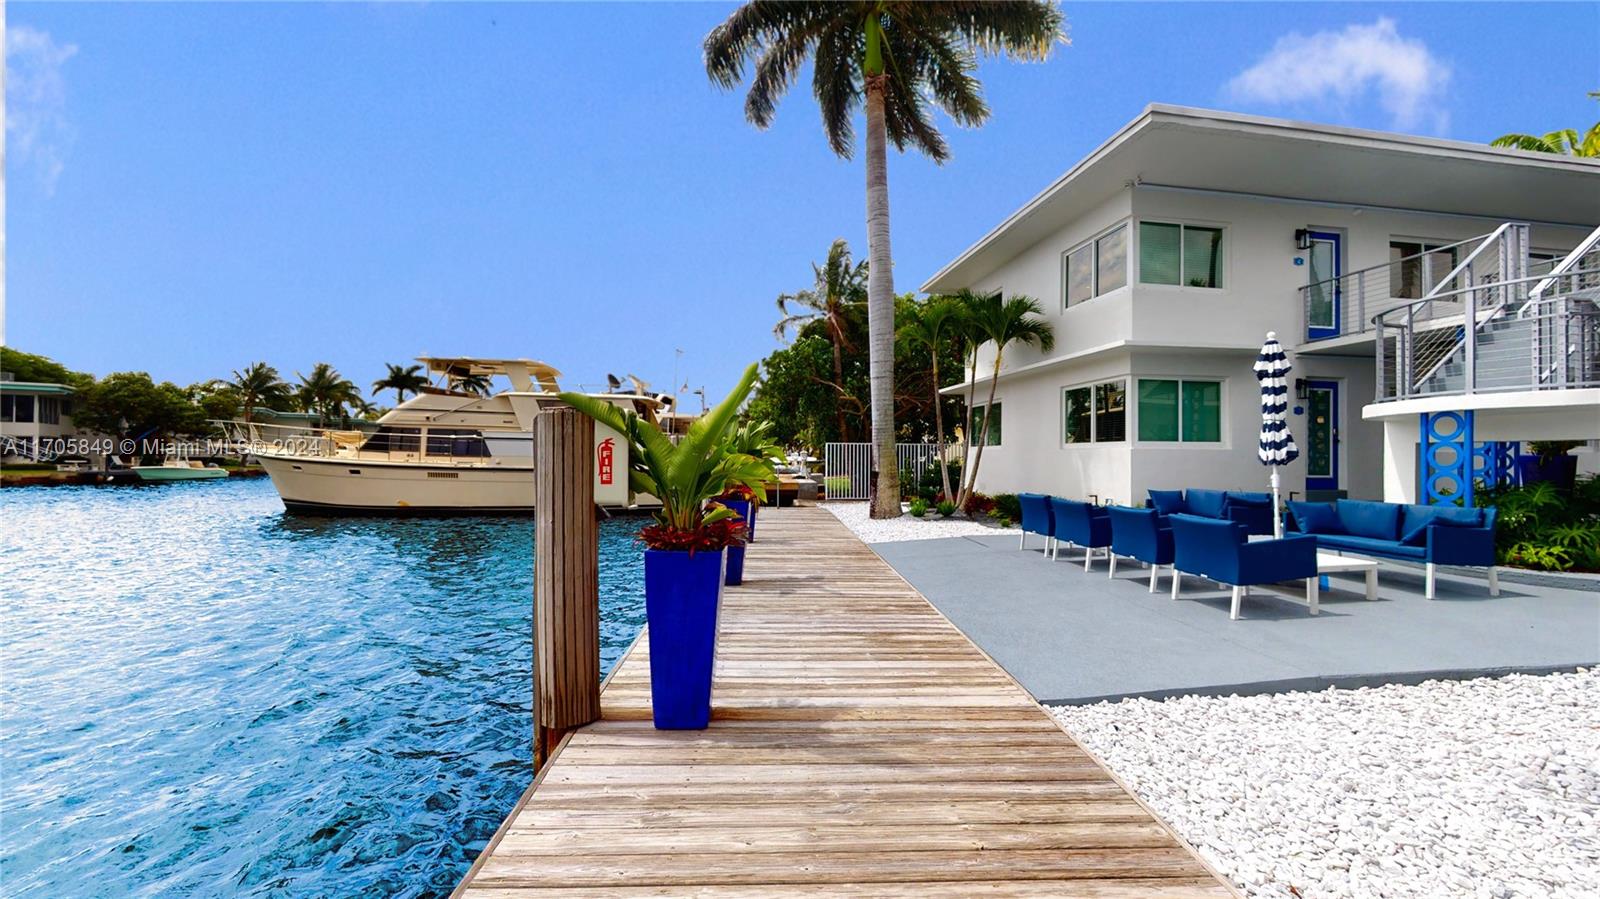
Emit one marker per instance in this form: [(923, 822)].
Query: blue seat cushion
[(1363, 518), (1168, 502), (1315, 518), (1371, 546), (1246, 498), (1414, 521), (1206, 503)]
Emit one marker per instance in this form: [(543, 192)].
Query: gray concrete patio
[(1072, 637)]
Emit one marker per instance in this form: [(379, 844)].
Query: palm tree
[(326, 392), (934, 322), (891, 58), (1565, 142), (840, 288), (471, 383), (1002, 322), (402, 380), (259, 385)]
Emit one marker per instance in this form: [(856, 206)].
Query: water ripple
[(203, 696)]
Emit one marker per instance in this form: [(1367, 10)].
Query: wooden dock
[(859, 744)]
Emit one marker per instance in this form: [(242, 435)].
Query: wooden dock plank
[(859, 745)]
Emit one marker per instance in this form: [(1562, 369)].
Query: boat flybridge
[(453, 448)]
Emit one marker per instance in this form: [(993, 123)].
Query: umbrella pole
[(1277, 514)]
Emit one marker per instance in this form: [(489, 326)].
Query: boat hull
[(334, 486)]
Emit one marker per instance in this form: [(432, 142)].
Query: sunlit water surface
[(204, 696)]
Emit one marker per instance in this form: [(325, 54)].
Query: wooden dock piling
[(566, 580)]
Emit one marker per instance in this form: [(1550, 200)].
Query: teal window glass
[(977, 425), (1202, 412), (1202, 256), (1158, 410)]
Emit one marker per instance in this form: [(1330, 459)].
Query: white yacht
[(447, 450)]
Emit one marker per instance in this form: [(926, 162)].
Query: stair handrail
[(1403, 319), (1571, 259)]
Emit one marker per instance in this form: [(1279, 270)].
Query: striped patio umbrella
[(1277, 444)]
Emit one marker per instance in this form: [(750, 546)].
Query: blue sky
[(192, 188)]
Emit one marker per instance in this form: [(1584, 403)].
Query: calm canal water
[(203, 696)]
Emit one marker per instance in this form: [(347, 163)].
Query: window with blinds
[(1180, 255)]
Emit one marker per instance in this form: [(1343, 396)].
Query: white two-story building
[(1164, 258)]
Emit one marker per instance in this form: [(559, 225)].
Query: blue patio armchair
[(1036, 518), (1221, 551), (1080, 524), (1140, 535)]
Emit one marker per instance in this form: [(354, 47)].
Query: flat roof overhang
[(1199, 149)]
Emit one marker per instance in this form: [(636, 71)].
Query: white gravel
[(930, 526), (1481, 788)]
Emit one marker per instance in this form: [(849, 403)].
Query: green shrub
[(919, 507), (838, 484), (947, 509), (1541, 528), (1004, 521), (1007, 506)]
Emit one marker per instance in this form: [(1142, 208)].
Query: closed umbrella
[(1277, 447)]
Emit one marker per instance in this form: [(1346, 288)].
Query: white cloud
[(1339, 67), (37, 130)]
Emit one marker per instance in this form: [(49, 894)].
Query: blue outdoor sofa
[(1253, 510), (1141, 535), (1223, 552), (1432, 535)]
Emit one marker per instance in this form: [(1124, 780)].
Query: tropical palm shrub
[(1002, 321), (685, 475), (919, 507), (946, 509), (1538, 526)]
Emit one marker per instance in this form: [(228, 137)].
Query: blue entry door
[(1325, 262), (1322, 435)]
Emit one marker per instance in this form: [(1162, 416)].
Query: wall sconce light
[(1302, 238), (1299, 388)]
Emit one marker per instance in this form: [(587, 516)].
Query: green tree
[(891, 58), (259, 385), (837, 294), (217, 400), (402, 379), (478, 385), (39, 369), (130, 406), (1002, 322), (933, 326), (326, 392)]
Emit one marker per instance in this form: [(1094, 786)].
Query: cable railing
[(1344, 305), (1493, 336)]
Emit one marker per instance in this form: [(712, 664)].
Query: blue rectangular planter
[(735, 575), (682, 596)]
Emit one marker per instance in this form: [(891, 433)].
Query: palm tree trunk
[(838, 381), (880, 305), (938, 427), (966, 453), (983, 439)]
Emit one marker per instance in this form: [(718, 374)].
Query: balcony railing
[(1344, 305)]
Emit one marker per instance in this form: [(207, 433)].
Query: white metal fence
[(847, 467)]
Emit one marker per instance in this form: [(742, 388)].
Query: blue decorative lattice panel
[(1449, 457)]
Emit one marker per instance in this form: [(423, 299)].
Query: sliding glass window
[(1098, 267), (1173, 411), (1186, 255), (1095, 413)]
